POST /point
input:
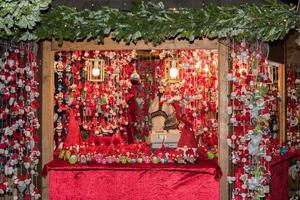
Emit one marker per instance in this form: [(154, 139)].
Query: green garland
[(154, 23), (18, 18)]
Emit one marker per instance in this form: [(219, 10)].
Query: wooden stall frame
[(223, 127), (49, 49), (282, 103), (47, 122)]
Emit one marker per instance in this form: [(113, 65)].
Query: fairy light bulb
[(86, 54), (198, 65), (173, 70), (96, 70), (205, 68)]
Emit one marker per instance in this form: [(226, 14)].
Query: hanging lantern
[(272, 72), (135, 77), (173, 71), (95, 69)]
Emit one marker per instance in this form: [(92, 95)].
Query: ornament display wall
[(197, 93), (109, 107), (98, 108), (19, 152), (250, 111)]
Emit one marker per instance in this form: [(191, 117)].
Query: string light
[(173, 69), (173, 72), (96, 70), (198, 64)]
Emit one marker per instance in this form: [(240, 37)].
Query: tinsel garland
[(249, 110), (19, 152)]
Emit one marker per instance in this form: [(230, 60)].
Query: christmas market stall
[(134, 114), (147, 103)]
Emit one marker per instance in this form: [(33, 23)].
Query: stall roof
[(126, 4)]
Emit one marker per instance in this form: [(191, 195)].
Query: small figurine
[(117, 159), (147, 159), (190, 156), (123, 159), (155, 160), (73, 159), (187, 137), (98, 158)]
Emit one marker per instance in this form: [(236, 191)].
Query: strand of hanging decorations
[(19, 152), (293, 106), (250, 108)]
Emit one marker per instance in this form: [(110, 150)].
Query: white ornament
[(229, 143), (244, 186), (230, 179), (253, 145), (229, 110), (268, 158), (253, 183)]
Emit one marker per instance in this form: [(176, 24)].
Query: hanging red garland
[(19, 153), (249, 111)]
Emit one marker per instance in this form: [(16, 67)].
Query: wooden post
[(47, 111), (282, 103), (223, 120)]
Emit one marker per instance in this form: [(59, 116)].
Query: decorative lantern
[(173, 70), (135, 77), (273, 70), (274, 74), (95, 69)]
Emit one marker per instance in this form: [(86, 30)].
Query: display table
[(133, 181), (280, 175)]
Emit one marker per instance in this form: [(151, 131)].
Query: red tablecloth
[(138, 181)]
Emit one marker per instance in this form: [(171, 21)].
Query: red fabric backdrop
[(128, 182)]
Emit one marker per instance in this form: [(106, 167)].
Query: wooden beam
[(282, 103), (223, 120), (110, 44), (47, 111)]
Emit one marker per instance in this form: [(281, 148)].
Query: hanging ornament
[(173, 69), (18, 143), (135, 77)]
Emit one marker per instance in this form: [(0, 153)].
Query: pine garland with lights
[(150, 22)]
